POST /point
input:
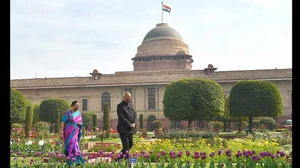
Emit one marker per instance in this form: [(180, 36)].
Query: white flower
[(41, 143), (10, 142), (28, 143)]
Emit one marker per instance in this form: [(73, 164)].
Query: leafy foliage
[(106, 117), (42, 130), (52, 110), (17, 125), (255, 98), (256, 123), (269, 122), (87, 117), (36, 113), (227, 114), (216, 124), (193, 99), (141, 121), (17, 106), (95, 123), (28, 121), (155, 124)]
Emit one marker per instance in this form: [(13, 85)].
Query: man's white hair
[(127, 94)]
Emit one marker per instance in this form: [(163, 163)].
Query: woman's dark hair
[(74, 102)]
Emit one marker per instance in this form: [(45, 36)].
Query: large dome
[(162, 49), (162, 30)]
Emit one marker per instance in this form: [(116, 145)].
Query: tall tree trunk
[(250, 124), (224, 129)]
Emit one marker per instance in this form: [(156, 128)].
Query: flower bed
[(246, 158)]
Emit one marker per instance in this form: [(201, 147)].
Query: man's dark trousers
[(127, 142)]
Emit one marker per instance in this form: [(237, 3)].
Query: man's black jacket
[(126, 116)]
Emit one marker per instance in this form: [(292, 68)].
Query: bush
[(256, 123), (269, 122), (216, 124), (17, 106), (155, 124), (17, 125), (42, 130)]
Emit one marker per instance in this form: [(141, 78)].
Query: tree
[(36, 113), (254, 98), (52, 110), (28, 121), (106, 118), (17, 106), (95, 123), (193, 99), (141, 121)]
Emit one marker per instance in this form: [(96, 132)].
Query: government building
[(162, 58)]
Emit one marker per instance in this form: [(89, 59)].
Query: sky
[(69, 38)]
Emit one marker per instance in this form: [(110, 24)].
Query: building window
[(84, 104), (105, 99), (151, 99), (130, 91)]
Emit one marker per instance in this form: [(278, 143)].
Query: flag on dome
[(166, 8)]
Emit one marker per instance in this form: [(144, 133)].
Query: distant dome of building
[(162, 30), (162, 49), (162, 41), (95, 71)]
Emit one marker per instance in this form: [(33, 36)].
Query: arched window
[(105, 99)]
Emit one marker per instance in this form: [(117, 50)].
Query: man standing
[(126, 123)]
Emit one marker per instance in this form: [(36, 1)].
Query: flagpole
[(162, 12)]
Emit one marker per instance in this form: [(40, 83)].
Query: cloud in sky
[(61, 38)]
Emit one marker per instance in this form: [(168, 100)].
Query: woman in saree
[(71, 132)]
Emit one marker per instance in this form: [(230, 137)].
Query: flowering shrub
[(207, 145), (260, 149), (244, 159), (193, 133), (283, 138)]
